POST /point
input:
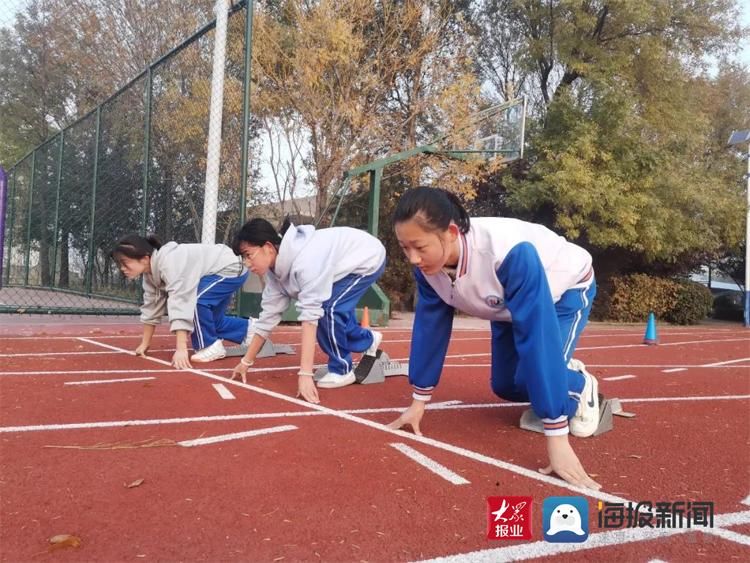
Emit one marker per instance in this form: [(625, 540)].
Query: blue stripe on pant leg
[(204, 331), (573, 311), (359, 339), (227, 327), (339, 334), (333, 339)]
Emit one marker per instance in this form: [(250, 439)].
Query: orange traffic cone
[(365, 318)]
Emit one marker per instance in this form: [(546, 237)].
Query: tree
[(363, 78), (624, 151)]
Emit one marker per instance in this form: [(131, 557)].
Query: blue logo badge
[(565, 519)]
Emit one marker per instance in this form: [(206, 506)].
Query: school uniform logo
[(495, 301)]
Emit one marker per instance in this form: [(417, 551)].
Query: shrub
[(633, 297), (692, 304)]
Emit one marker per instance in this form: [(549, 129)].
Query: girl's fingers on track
[(580, 480)]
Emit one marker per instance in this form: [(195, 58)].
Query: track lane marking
[(430, 464), (121, 380), (235, 436), (223, 392)]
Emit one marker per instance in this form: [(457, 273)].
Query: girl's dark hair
[(258, 232), (135, 246), (432, 208)]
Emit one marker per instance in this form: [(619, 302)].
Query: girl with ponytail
[(193, 285), (536, 290)]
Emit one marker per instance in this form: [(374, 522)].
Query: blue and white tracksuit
[(327, 271), (536, 290), (194, 284)]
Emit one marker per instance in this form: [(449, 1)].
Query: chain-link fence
[(136, 164)]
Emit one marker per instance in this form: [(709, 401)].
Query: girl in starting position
[(193, 284), (536, 290), (327, 271)]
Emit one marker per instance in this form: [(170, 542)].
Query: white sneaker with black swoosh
[(586, 420)]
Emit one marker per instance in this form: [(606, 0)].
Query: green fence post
[(28, 222), (10, 220), (373, 220), (245, 122), (57, 207), (146, 149), (90, 265)]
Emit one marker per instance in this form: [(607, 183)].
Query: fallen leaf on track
[(64, 540), (136, 483)]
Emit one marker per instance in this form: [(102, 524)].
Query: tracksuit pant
[(339, 333), (209, 320)]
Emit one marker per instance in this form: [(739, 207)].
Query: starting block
[(268, 351), (608, 408), (373, 369)]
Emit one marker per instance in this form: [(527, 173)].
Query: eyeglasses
[(252, 256)]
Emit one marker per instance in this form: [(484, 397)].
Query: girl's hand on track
[(411, 416), (307, 390), (564, 462), (240, 371), (180, 360)]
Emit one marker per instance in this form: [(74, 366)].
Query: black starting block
[(608, 409), (268, 350), (373, 369)]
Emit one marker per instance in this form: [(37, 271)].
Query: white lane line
[(223, 392), (123, 380), (578, 349), (657, 561), (618, 377), (597, 334), (482, 354), (153, 421), (430, 464), (621, 366), (62, 354), (87, 371), (717, 364), (541, 549), (399, 409), (662, 344), (289, 368), (235, 436), (673, 370), (464, 452)]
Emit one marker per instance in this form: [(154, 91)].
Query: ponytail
[(433, 208)]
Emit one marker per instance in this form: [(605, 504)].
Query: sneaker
[(249, 334), (586, 420), (210, 353), (335, 380), (377, 338)]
